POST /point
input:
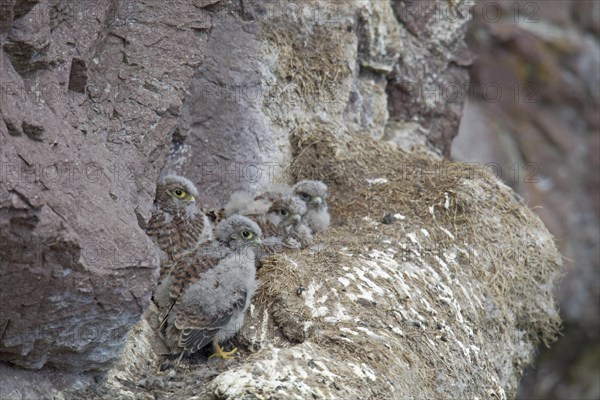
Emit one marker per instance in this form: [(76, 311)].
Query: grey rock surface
[(277, 70), (90, 96), (429, 84), (542, 137)]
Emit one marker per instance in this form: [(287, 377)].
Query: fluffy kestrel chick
[(279, 215), (209, 289), (276, 190), (314, 194), (245, 203), (283, 225), (175, 225), (285, 211)]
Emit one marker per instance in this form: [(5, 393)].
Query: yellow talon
[(219, 352)]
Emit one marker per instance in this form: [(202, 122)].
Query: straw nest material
[(434, 281)]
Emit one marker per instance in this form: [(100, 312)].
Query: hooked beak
[(317, 200), (296, 218), (190, 200)]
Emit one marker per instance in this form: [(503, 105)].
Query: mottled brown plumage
[(175, 225), (186, 271)]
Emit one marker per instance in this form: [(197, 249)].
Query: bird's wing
[(164, 316), (299, 236), (184, 273), (275, 237), (268, 228), (188, 270), (198, 329), (153, 224), (291, 242)]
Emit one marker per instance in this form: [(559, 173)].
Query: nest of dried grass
[(462, 230)]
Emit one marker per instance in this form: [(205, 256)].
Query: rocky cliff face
[(538, 126), (100, 97), (279, 70), (90, 98)]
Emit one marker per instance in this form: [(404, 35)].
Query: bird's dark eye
[(247, 234), (180, 194), (304, 196), (283, 212)]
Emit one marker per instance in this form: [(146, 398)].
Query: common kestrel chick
[(283, 225), (209, 289), (314, 194), (175, 225), (278, 212)]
